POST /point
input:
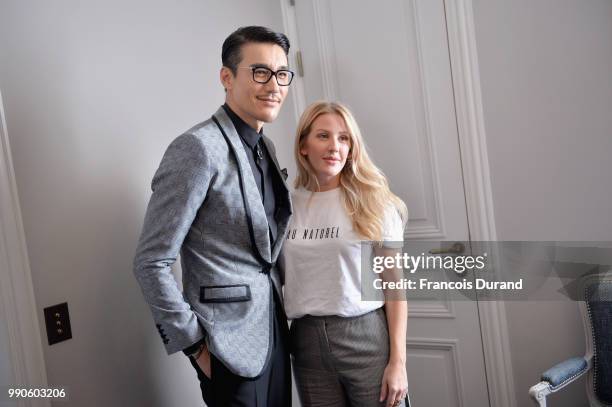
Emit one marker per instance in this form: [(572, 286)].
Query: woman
[(345, 351)]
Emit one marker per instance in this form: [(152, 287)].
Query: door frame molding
[(18, 307), (478, 192), (476, 176)]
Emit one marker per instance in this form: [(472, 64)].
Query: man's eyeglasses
[(261, 74)]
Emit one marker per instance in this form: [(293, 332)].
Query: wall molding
[(452, 348), (478, 193), (435, 226), (298, 94), (325, 44), (16, 290), (432, 309)]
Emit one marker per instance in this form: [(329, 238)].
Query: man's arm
[(179, 188)]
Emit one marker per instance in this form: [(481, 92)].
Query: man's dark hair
[(230, 53)]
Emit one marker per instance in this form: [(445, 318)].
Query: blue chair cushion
[(564, 371)]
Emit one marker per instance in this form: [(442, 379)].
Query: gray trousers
[(340, 361)]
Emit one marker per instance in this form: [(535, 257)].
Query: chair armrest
[(558, 377), (565, 372)]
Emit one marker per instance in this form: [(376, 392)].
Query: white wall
[(93, 95), (545, 69)]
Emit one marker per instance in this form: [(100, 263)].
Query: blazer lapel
[(254, 208), (272, 152), (286, 208)]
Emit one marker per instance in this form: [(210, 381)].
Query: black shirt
[(261, 166)]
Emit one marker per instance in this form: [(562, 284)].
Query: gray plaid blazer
[(206, 204)]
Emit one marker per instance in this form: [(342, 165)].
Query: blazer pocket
[(225, 293)]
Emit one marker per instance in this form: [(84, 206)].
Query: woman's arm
[(395, 383), (397, 316)]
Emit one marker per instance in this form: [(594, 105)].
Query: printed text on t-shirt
[(314, 233)]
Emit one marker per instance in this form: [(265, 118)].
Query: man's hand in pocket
[(203, 361)]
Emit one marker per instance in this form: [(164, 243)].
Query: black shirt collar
[(246, 132)]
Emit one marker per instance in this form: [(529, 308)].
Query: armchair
[(596, 310)]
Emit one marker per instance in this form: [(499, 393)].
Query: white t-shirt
[(322, 256)]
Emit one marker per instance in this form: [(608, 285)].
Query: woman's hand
[(394, 385)]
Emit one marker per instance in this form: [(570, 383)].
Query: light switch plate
[(57, 321)]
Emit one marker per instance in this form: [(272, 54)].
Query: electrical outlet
[(57, 321)]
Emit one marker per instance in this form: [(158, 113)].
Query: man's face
[(254, 102)]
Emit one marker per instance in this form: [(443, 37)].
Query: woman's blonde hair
[(364, 188)]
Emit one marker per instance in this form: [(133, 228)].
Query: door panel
[(389, 62)]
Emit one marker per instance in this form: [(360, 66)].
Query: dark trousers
[(272, 388)]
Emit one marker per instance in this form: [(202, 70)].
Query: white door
[(389, 61), (21, 355)]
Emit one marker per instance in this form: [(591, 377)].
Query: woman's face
[(326, 148)]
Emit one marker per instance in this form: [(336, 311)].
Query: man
[(220, 198)]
